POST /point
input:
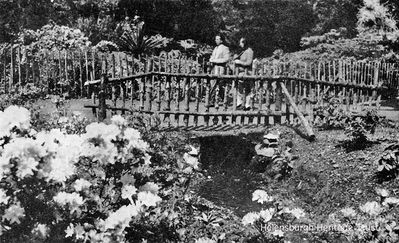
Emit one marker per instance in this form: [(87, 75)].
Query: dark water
[(230, 181)]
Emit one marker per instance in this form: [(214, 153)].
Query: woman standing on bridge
[(243, 62)]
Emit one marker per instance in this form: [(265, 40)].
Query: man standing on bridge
[(220, 57)]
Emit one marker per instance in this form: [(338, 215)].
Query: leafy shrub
[(52, 36), (30, 94), (388, 164), (357, 131), (331, 115), (359, 127)]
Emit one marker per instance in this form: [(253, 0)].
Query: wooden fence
[(181, 89)]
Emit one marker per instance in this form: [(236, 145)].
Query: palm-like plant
[(134, 41)]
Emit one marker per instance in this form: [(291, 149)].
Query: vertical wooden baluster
[(350, 81), (19, 68), (375, 81), (286, 102), (225, 101), (197, 92), (348, 90), (58, 80), (159, 85), (278, 103), (177, 103), (168, 98), (363, 76), (11, 82), (132, 83), (120, 62), (141, 93), (93, 60), (127, 64), (260, 97), (304, 101), (234, 87), (339, 80), (390, 74), (186, 100), (312, 98), (113, 86), (51, 68), (4, 57), (80, 74), (207, 97), (122, 87), (319, 94), (216, 117), (87, 73), (74, 77), (197, 98), (150, 83), (31, 70), (328, 73), (139, 64), (345, 91), (273, 88), (66, 71), (102, 92)]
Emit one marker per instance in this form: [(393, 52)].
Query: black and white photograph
[(199, 121)]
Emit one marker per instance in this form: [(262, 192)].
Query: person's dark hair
[(245, 41), (222, 38)]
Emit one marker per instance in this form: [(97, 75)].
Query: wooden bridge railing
[(181, 89), (181, 92), (68, 70)]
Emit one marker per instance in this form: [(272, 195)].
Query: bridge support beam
[(305, 122)]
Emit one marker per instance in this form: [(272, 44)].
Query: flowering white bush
[(94, 183)]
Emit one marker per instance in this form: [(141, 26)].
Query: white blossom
[(278, 233), (121, 217), (118, 120), (250, 218), (267, 215), (391, 201), (14, 117), (150, 187), (371, 208), (204, 240), (261, 196), (3, 197), (14, 213), (348, 212), (81, 184), (128, 191), (149, 199)]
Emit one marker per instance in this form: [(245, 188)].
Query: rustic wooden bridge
[(185, 94)]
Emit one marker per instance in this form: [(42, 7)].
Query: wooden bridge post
[(277, 118), (375, 81), (11, 82), (102, 114)]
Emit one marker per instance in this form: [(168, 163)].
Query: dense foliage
[(269, 25)]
